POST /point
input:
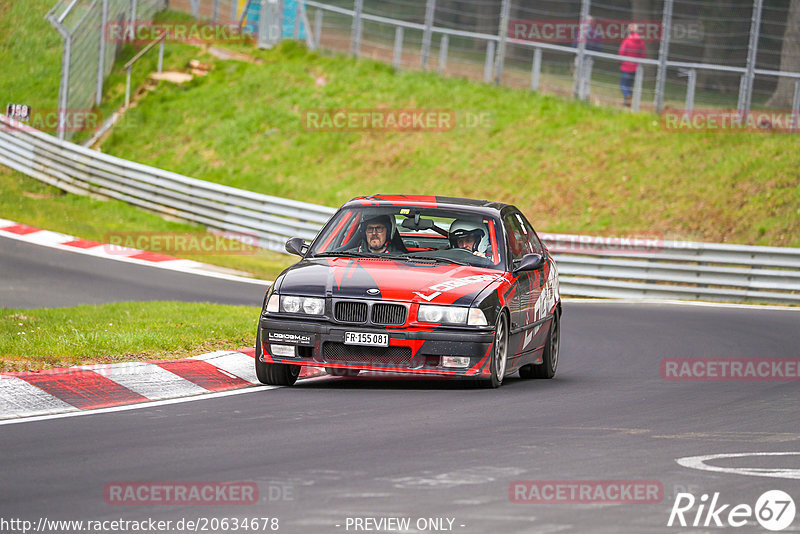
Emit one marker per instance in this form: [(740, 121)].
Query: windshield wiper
[(343, 255), (438, 259)]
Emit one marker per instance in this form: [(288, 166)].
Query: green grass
[(30, 53), (37, 204), (42, 338), (570, 167)]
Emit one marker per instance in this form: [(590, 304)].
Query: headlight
[(308, 305), (442, 314)]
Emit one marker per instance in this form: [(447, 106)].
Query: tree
[(790, 59)]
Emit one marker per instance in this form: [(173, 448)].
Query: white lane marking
[(147, 379), (18, 398), (681, 303), (233, 363), (139, 406), (699, 462)]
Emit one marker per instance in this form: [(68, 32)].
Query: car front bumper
[(410, 350)]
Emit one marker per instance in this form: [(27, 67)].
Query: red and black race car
[(415, 284)]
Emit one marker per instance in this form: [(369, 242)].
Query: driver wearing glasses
[(376, 236)]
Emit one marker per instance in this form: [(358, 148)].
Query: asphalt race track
[(331, 450), (35, 276)]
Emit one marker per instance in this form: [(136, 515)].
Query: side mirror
[(296, 246), (530, 262)]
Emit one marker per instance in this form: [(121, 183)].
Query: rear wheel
[(499, 354), (549, 365), (274, 374)]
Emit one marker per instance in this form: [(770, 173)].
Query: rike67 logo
[(774, 510)]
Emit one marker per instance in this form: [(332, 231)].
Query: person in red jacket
[(632, 46)]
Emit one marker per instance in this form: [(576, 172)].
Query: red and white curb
[(30, 234), (91, 387)]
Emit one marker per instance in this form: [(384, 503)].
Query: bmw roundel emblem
[(373, 291)]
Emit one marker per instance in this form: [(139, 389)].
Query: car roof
[(427, 201)]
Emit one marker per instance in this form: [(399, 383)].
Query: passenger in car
[(469, 236)]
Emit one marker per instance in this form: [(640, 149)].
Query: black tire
[(274, 374), (338, 371), (499, 358), (549, 365)]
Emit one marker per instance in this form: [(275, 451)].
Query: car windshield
[(412, 233)]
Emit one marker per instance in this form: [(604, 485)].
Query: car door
[(526, 310)]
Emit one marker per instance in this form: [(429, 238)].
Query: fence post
[(297, 21), (234, 12), (101, 57), (215, 11), (128, 87), (317, 27), (63, 91), (796, 107), (487, 66), (430, 10), (578, 81), (161, 53), (637, 88), (586, 82), (132, 25), (505, 8), (195, 8), (355, 43), (397, 55), (536, 68), (752, 51), (663, 54), (443, 44), (690, 89)]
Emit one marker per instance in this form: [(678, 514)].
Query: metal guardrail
[(589, 266)]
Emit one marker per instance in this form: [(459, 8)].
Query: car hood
[(393, 279)]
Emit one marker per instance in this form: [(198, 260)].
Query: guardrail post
[(443, 44), (489, 63), (637, 88), (430, 10), (583, 35), (355, 45), (397, 56), (101, 57), (536, 68), (752, 51), (317, 27), (663, 54), (796, 107), (505, 8)]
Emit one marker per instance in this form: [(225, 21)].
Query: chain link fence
[(697, 54), (88, 54)]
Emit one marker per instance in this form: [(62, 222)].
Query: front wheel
[(274, 374), (499, 354)]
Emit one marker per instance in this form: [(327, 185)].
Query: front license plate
[(366, 338)]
